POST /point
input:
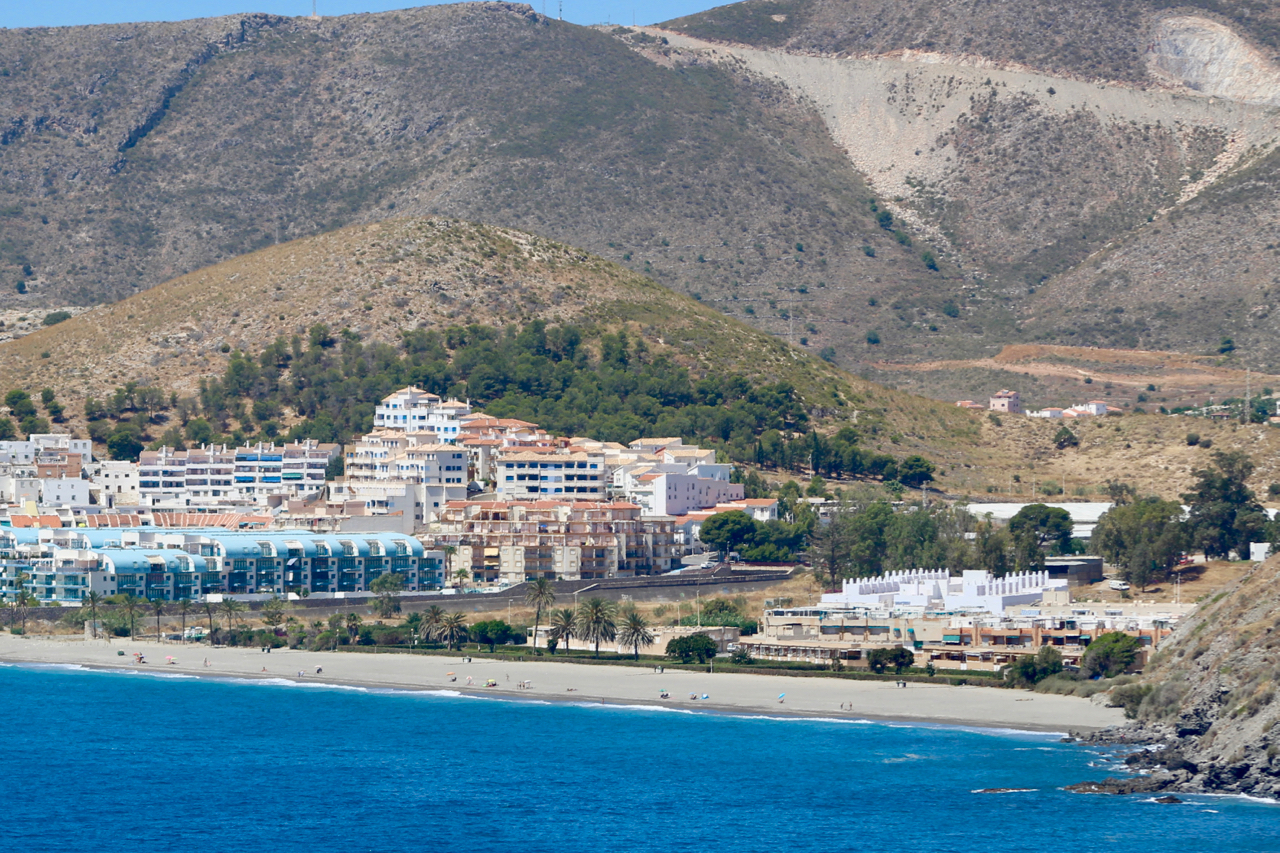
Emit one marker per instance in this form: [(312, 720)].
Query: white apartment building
[(117, 483), (25, 452), (214, 474), (413, 410), (666, 493), (551, 474), (64, 491), (390, 471)]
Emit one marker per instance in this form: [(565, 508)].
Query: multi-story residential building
[(386, 467), (62, 566), (550, 474), (413, 410), (669, 493), (117, 483), (218, 474), (508, 542), (26, 452)]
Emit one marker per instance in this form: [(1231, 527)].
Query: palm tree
[(157, 604), (231, 607), (353, 625), (131, 606), (335, 625), (635, 632), (184, 607), (432, 619), (540, 595), (564, 626), (209, 608), (93, 599), (453, 628), (462, 575), (23, 600), (595, 622), (26, 600)]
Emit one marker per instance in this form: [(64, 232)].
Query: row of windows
[(556, 466)]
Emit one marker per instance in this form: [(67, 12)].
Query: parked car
[(1119, 585)]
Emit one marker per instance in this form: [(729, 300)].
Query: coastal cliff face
[(1208, 697)]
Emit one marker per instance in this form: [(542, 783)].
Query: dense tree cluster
[(838, 455), (571, 380)]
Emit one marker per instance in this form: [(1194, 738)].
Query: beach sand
[(727, 692)]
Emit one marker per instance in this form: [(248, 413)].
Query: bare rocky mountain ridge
[(1121, 203), (135, 153), (749, 176)]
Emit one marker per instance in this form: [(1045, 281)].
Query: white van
[(1119, 585)]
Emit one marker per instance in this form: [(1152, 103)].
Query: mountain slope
[(1208, 695), (119, 172), (1099, 39), (379, 279)]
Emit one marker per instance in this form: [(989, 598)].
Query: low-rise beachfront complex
[(968, 639), (61, 566)]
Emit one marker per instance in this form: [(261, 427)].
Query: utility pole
[(1246, 396)]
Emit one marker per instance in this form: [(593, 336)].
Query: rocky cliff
[(1208, 697)]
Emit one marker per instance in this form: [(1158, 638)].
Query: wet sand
[(726, 693)]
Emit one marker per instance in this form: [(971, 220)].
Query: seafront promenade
[(725, 692)]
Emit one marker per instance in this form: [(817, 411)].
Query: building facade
[(63, 566), (413, 410), (509, 542)]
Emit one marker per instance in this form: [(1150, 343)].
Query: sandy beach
[(726, 693)]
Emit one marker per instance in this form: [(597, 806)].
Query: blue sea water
[(127, 761)]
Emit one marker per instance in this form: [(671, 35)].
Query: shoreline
[(734, 694)]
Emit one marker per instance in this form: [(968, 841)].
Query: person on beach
[(319, 670)]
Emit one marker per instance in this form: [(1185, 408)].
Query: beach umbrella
[(448, 673), (781, 695)]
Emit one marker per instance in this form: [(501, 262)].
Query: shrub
[(1206, 443), (950, 309), (869, 251), (695, 646), (1110, 655), (742, 657), (929, 260), (1193, 438), (899, 658), (873, 338), (56, 317), (1129, 697)]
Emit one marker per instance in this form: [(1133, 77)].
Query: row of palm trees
[(132, 607), (595, 621)]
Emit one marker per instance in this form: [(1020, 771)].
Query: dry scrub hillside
[(379, 279), (1209, 693), (1017, 176), (1083, 39), (135, 153), (1197, 273), (1055, 375)]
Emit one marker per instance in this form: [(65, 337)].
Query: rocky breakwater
[(1205, 712)]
